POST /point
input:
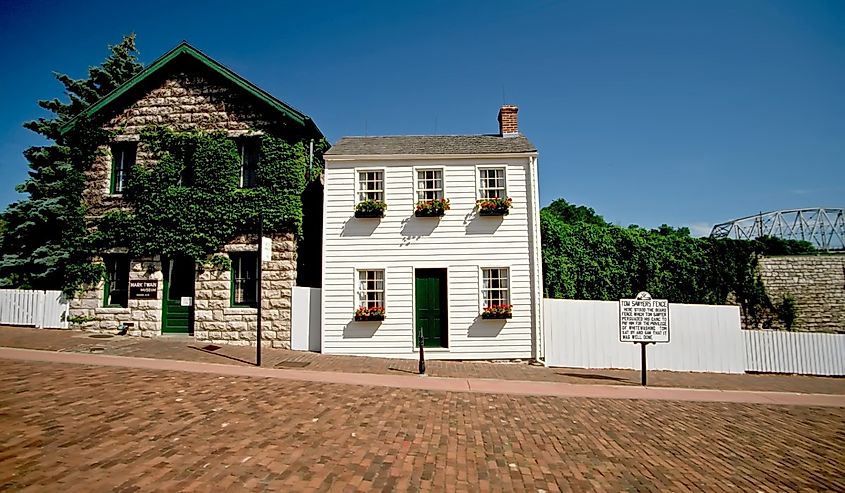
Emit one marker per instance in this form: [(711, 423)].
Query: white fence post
[(305, 319)]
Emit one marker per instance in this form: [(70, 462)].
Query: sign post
[(643, 321)]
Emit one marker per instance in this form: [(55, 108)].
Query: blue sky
[(678, 112)]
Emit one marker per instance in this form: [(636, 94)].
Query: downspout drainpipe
[(310, 158)]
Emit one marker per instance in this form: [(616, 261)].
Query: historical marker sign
[(643, 319), (143, 289)]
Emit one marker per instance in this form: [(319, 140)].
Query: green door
[(430, 298), (178, 284)]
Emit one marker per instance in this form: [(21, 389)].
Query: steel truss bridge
[(823, 227)]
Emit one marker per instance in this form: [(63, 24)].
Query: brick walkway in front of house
[(187, 349), (72, 428)]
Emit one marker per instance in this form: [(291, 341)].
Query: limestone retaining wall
[(817, 283)]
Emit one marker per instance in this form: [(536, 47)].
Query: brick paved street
[(86, 428), (186, 349)]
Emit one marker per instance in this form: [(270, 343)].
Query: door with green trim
[(431, 307), (177, 318)]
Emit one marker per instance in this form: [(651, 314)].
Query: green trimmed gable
[(185, 57)]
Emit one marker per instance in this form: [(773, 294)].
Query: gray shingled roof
[(430, 144)]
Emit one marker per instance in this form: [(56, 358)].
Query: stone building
[(151, 295)]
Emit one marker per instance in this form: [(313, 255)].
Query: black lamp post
[(258, 293), (422, 353)]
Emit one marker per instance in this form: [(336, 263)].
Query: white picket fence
[(770, 351), (585, 334), (41, 309)]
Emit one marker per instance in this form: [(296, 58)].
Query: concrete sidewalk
[(417, 382), (188, 349)]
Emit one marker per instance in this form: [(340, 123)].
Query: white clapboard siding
[(42, 309), (460, 242), (585, 334), (769, 351)]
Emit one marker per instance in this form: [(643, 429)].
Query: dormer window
[(123, 158), (249, 150)]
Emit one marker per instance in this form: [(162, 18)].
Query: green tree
[(43, 243), (574, 214), (584, 257)]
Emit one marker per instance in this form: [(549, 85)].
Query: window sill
[(240, 310), (114, 195), (114, 310)]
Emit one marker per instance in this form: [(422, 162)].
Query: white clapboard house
[(449, 256)]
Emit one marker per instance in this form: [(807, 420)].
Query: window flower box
[(494, 312), (370, 208), (369, 314), (494, 206), (431, 208)]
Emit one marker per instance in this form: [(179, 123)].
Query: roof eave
[(401, 157)]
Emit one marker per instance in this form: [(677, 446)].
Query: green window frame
[(116, 288), (123, 157), (249, 149), (244, 286)]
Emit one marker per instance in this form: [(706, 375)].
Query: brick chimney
[(508, 126)]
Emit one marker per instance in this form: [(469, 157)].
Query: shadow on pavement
[(593, 376), (211, 351)]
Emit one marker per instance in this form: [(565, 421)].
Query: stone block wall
[(219, 323), (181, 102), (817, 283), (144, 314), (215, 320)]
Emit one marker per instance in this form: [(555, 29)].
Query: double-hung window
[(123, 158), (495, 286), (371, 288), (491, 183), (116, 289), (429, 184), (244, 279), (370, 185), (249, 151)]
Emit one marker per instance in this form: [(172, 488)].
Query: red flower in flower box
[(497, 312), (369, 313), (494, 206), (431, 208)]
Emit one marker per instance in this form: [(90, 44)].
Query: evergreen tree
[(42, 244)]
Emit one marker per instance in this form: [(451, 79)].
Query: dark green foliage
[(189, 202), (584, 257), (787, 311), (44, 245)]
